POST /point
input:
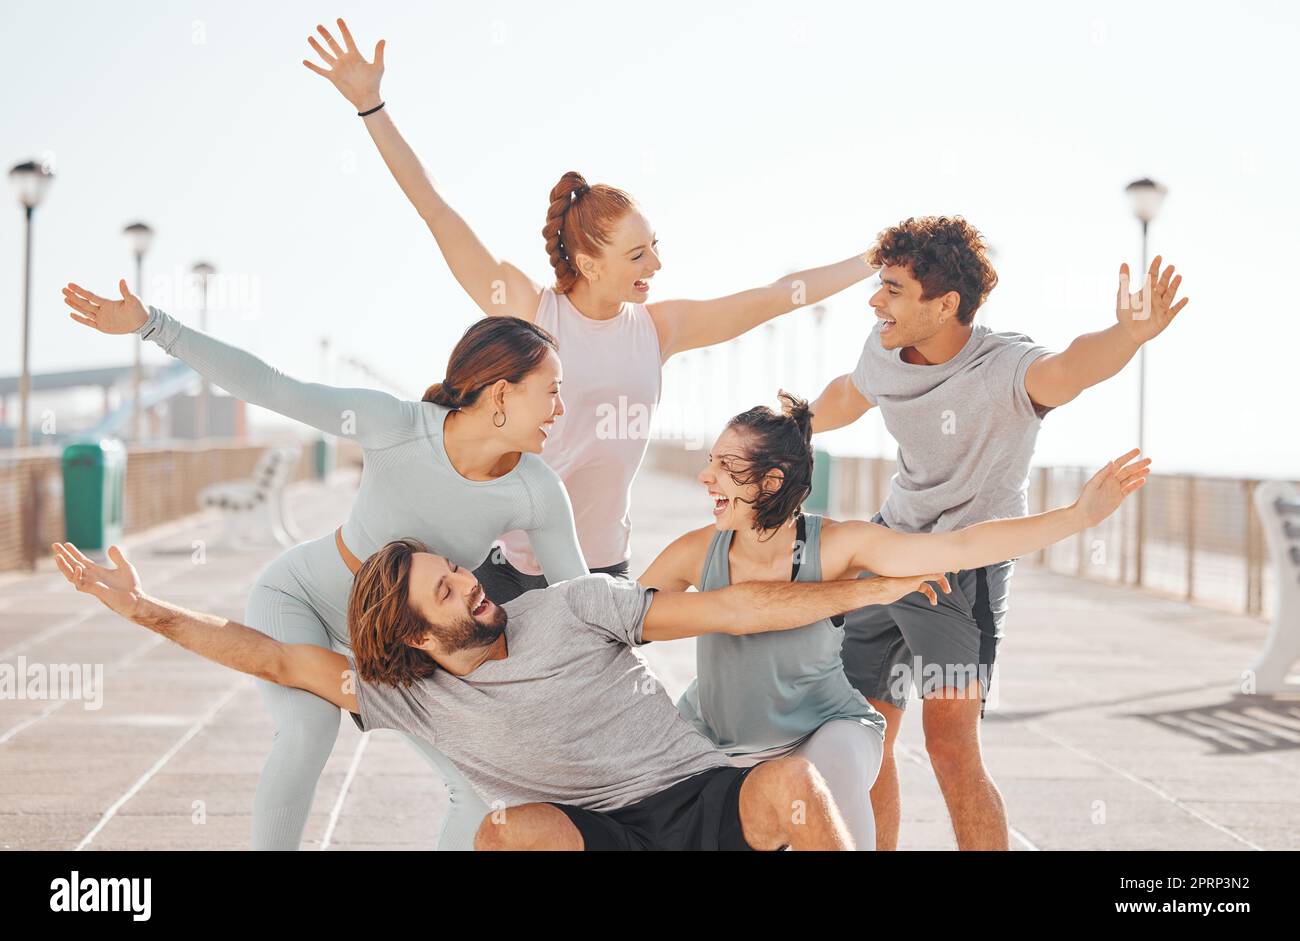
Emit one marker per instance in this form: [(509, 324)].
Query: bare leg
[(952, 738), (847, 755), (785, 802), (886, 802), (528, 827)]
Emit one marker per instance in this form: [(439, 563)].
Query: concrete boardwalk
[(1113, 726)]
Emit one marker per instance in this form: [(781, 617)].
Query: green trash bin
[(819, 501), (323, 455), (94, 481)]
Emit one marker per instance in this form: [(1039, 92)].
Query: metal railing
[(1202, 540), (162, 484)]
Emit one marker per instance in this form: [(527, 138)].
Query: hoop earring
[(503, 419)]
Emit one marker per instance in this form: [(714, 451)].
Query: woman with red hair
[(613, 341)]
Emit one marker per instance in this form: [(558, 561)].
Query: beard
[(469, 633)]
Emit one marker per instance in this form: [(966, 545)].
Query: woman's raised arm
[(368, 416), (497, 287), (688, 325), (884, 551)]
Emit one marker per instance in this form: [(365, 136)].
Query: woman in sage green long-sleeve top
[(454, 471)]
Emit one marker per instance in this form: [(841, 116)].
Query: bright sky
[(758, 137)]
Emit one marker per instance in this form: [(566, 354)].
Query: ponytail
[(580, 218), (440, 393)]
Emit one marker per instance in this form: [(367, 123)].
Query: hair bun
[(490, 350), (798, 410), (442, 393)]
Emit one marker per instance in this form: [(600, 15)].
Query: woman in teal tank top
[(761, 696)]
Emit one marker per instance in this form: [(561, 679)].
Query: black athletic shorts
[(699, 813)]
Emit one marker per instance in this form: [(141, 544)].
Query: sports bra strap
[(800, 540)]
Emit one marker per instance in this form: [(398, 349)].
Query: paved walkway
[(1114, 724)]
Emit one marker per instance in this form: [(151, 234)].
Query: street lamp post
[(138, 236), (203, 271), (1145, 196), (31, 180)]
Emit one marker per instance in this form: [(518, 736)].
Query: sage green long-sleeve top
[(409, 487)]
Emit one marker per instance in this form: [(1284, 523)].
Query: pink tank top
[(610, 390)]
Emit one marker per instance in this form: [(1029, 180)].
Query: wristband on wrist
[(362, 114)]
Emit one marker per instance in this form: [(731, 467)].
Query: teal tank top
[(758, 692)]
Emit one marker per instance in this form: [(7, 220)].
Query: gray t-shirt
[(572, 714), (965, 430)]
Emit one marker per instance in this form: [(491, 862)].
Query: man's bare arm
[(839, 404), (1056, 378), (755, 607), (214, 638)]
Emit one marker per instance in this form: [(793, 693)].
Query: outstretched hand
[(1102, 495), (1145, 315), (355, 78), (107, 316), (118, 588)]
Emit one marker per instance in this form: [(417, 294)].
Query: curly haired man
[(965, 405)]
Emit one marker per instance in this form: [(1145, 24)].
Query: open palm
[(1102, 495), (124, 315), (355, 78), (117, 587), (1145, 315)]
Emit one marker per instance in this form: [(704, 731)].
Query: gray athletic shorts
[(892, 650)]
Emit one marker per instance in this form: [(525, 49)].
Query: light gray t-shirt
[(965, 430), (571, 714)]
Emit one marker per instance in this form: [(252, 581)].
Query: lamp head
[(1145, 195), (139, 236), (30, 180)]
